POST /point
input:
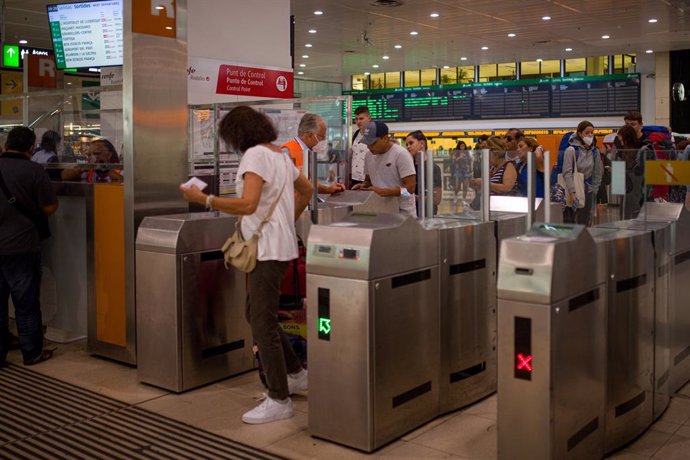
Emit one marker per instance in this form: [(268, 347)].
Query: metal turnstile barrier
[(467, 265), (678, 218), (372, 288), (191, 326), (630, 336), (552, 347), (661, 239)]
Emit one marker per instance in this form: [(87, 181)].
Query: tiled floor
[(468, 433)]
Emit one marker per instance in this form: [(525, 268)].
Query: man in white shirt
[(389, 169), (359, 150)]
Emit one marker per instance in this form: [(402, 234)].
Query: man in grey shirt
[(388, 167)]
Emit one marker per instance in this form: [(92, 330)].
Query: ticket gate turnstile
[(629, 261), (661, 238), (552, 347), (678, 218), (467, 266), (372, 285), (191, 326)]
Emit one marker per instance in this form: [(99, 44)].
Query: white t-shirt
[(277, 240), (387, 171), (359, 154)]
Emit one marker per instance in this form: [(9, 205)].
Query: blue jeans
[(20, 277)]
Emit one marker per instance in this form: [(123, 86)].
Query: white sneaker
[(269, 410), (297, 383)]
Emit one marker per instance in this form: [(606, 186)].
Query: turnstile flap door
[(364, 201), (185, 233), (370, 246), (548, 264)]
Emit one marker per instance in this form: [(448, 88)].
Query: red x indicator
[(524, 362)]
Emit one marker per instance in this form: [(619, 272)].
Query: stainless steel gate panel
[(558, 413), (216, 337), (630, 333), (341, 395), (552, 345), (661, 238), (679, 314), (374, 349), (406, 353), (191, 328), (468, 311)]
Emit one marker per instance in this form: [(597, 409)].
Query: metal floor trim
[(46, 418)]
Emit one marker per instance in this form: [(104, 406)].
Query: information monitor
[(87, 34)]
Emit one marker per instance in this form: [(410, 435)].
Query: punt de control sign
[(254, 81)]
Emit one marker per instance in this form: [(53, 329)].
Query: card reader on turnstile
[(373, 315), (551, 329)]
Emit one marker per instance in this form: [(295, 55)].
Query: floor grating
[(45, 418)]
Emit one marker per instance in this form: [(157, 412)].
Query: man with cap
[(388, 167)]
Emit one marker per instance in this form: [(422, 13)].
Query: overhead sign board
[(10, 55)]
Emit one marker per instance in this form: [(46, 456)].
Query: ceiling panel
[(354, 35)]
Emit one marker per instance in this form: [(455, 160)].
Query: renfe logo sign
[(254, 81)]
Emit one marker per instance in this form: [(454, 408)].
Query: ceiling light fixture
[(414, 33), (303, 65), (367, 73), (540, 60), (463, 58), (546, 18), (605, 37), (23, 42), (386, 57), (446, 67), (318, 12), (653, 21), (568, 49), (308, 45), (312, 31), (434, 15), (484, 48), (649, 51), (511, 35), (300, 73), (397, 47), (305, 56), (168, 27), (160, 7), (376, 66)]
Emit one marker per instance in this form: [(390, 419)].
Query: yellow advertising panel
[(11, 83), (662, 172)]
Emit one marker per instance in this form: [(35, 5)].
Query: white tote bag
[(579, 180)]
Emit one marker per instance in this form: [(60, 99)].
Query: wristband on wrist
[(209, 201)]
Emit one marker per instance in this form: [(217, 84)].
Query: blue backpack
[(562, 146)]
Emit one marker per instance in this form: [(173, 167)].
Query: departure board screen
[(87, 34), (538, 98)]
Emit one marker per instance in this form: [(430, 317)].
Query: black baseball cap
[(373, 131)]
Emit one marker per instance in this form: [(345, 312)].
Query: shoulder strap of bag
[(275, 203), (12, 201)]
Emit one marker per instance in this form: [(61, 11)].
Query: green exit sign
[(10, 55)]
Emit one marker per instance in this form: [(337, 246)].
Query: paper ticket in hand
[(195, 181)]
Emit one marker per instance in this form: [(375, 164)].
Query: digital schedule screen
[(87, 34), (536, 98)]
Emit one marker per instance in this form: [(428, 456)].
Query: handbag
[(579, 181), (241, 253)]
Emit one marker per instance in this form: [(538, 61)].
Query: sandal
[(45, 355)]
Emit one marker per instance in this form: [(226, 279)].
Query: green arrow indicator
[(10, 56), (325, 325)]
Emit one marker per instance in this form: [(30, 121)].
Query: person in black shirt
[(26, 199), (416, 143)]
